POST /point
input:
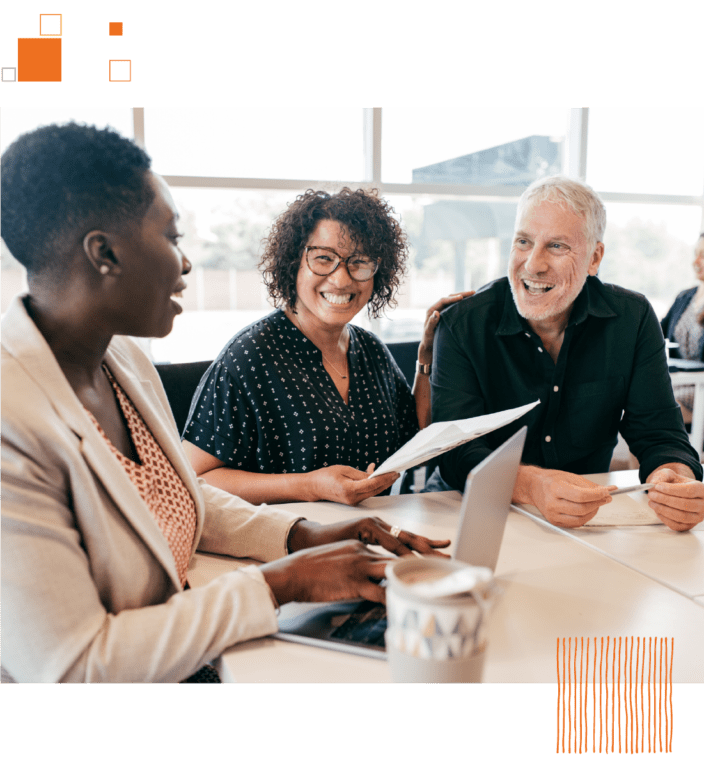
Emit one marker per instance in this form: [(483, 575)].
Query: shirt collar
[(589, 302)]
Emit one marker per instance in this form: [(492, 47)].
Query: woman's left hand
[(368, 530), (432, 317)]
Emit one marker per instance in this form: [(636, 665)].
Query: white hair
[(577, 195)]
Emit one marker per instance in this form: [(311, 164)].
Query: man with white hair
[(592, 353)]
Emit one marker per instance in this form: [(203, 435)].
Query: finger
[(676, 514), (453, 298), (683, 503), (674, 525), (683, 490), (573, 521), (363, 489), (583, 494), (421, 544), (370, 468)]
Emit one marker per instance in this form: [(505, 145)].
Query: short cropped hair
[(576, 195), (372, 228), (61, 181)]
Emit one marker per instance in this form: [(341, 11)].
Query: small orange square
[(116, 28), (120, 70)]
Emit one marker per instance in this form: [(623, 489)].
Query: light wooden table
[(554, 584)]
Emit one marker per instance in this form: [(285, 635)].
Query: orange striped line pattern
[(627, 688)]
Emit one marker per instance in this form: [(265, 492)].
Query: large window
[(452, 175)]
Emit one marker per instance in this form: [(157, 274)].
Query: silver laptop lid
[(486, 503)]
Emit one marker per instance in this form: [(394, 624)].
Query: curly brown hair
[(366, 218)]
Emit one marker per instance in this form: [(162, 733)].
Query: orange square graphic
[(61, 24), (116, 28), (110, 78), (38, 60)]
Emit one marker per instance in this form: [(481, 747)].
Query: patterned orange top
[(158, 483)]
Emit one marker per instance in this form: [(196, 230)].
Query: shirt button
[(540, 349), (555, 389), (547, 438)]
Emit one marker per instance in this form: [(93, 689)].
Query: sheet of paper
[(445, 435), (625, 509)]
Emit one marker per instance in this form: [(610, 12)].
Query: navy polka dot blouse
[(267, 404)]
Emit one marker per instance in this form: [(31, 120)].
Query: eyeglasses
[(324, 261)]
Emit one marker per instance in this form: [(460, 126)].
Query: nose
[(186, 265), (341, 275), (536, 261)]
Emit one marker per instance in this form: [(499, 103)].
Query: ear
[(97, 246), (596, 258)]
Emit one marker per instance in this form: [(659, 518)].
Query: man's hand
[(677, 499), (368, 530), (563, 499)]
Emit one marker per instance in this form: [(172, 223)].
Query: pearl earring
[(104, 269)]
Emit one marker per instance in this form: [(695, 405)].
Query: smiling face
[(151, 266), (549, 264), (333, 300)]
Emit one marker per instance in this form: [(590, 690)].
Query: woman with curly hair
[(301, 405), (101, 511)]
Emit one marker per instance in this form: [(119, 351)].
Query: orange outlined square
[(110, 62), (50, 24), (61, 25), (116, 28), (38, 60)]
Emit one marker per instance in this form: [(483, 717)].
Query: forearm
[(262, 488), (421, 388)]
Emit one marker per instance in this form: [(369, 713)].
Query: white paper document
[(624, 509), (445, 435)]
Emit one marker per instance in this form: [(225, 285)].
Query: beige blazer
[(90, 590)]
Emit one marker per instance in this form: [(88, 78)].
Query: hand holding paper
[(445, 435)]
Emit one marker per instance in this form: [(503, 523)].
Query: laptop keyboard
[(366, 625)]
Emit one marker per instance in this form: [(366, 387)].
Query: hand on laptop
[(563, 498), (344, 570), (368, 530)]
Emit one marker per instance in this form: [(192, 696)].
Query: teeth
[(537, 288), (335, 298)]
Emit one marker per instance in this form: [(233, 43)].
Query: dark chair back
[(405, 353), (180, 381)]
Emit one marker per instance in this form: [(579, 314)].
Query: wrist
[(523, 488), (425, 354), (301, 534), (423, 368), (278, 580)]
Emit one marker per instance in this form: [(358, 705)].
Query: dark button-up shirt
[(611, 375)]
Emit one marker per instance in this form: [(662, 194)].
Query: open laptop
[(358, 626)]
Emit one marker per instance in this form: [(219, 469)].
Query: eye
[(558, 246), (175, 237), (322, 257)]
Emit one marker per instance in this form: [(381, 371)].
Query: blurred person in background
[(684, 325)]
